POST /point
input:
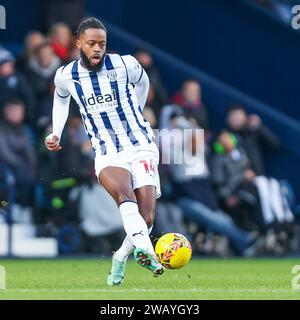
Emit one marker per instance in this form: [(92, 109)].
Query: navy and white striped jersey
[(108, 104)]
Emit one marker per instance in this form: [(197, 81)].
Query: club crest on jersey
[(112, 75)]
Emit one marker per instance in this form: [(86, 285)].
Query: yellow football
[(173, 250)]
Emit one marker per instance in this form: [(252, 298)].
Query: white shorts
[(140, 161)]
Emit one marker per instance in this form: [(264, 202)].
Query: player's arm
[(60, 112), (139, 78), (142, 88)]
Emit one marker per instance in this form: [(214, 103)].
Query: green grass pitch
[(200, 279)]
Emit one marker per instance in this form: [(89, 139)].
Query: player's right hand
[(52, 142)]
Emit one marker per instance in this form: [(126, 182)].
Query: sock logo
[(138, 233)]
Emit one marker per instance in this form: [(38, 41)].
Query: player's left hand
[(52, 142)]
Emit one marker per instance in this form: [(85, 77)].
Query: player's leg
[(119, 259), (146, 198), (117, 181), (120, 193), (146, 204), (145, 180)]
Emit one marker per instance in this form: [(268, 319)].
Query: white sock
[(135, 227), (126, 248)]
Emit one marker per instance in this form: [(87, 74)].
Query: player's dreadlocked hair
[(90, 23)]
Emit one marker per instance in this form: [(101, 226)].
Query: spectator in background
[(41, 69), (61, 40), (100, 221), (160, 96), (17, 151), (32, 41), (239, 188), (192, 190), (76, 157), (13, 84), (168, 112), (190, 99), (79, 154), (233, 179), (73, 163), (253, 135), (44, 110)]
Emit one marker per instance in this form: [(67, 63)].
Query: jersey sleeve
[(60, 87), (134, 69), (61, 101)]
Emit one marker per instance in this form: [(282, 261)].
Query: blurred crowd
[(228, 206)]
